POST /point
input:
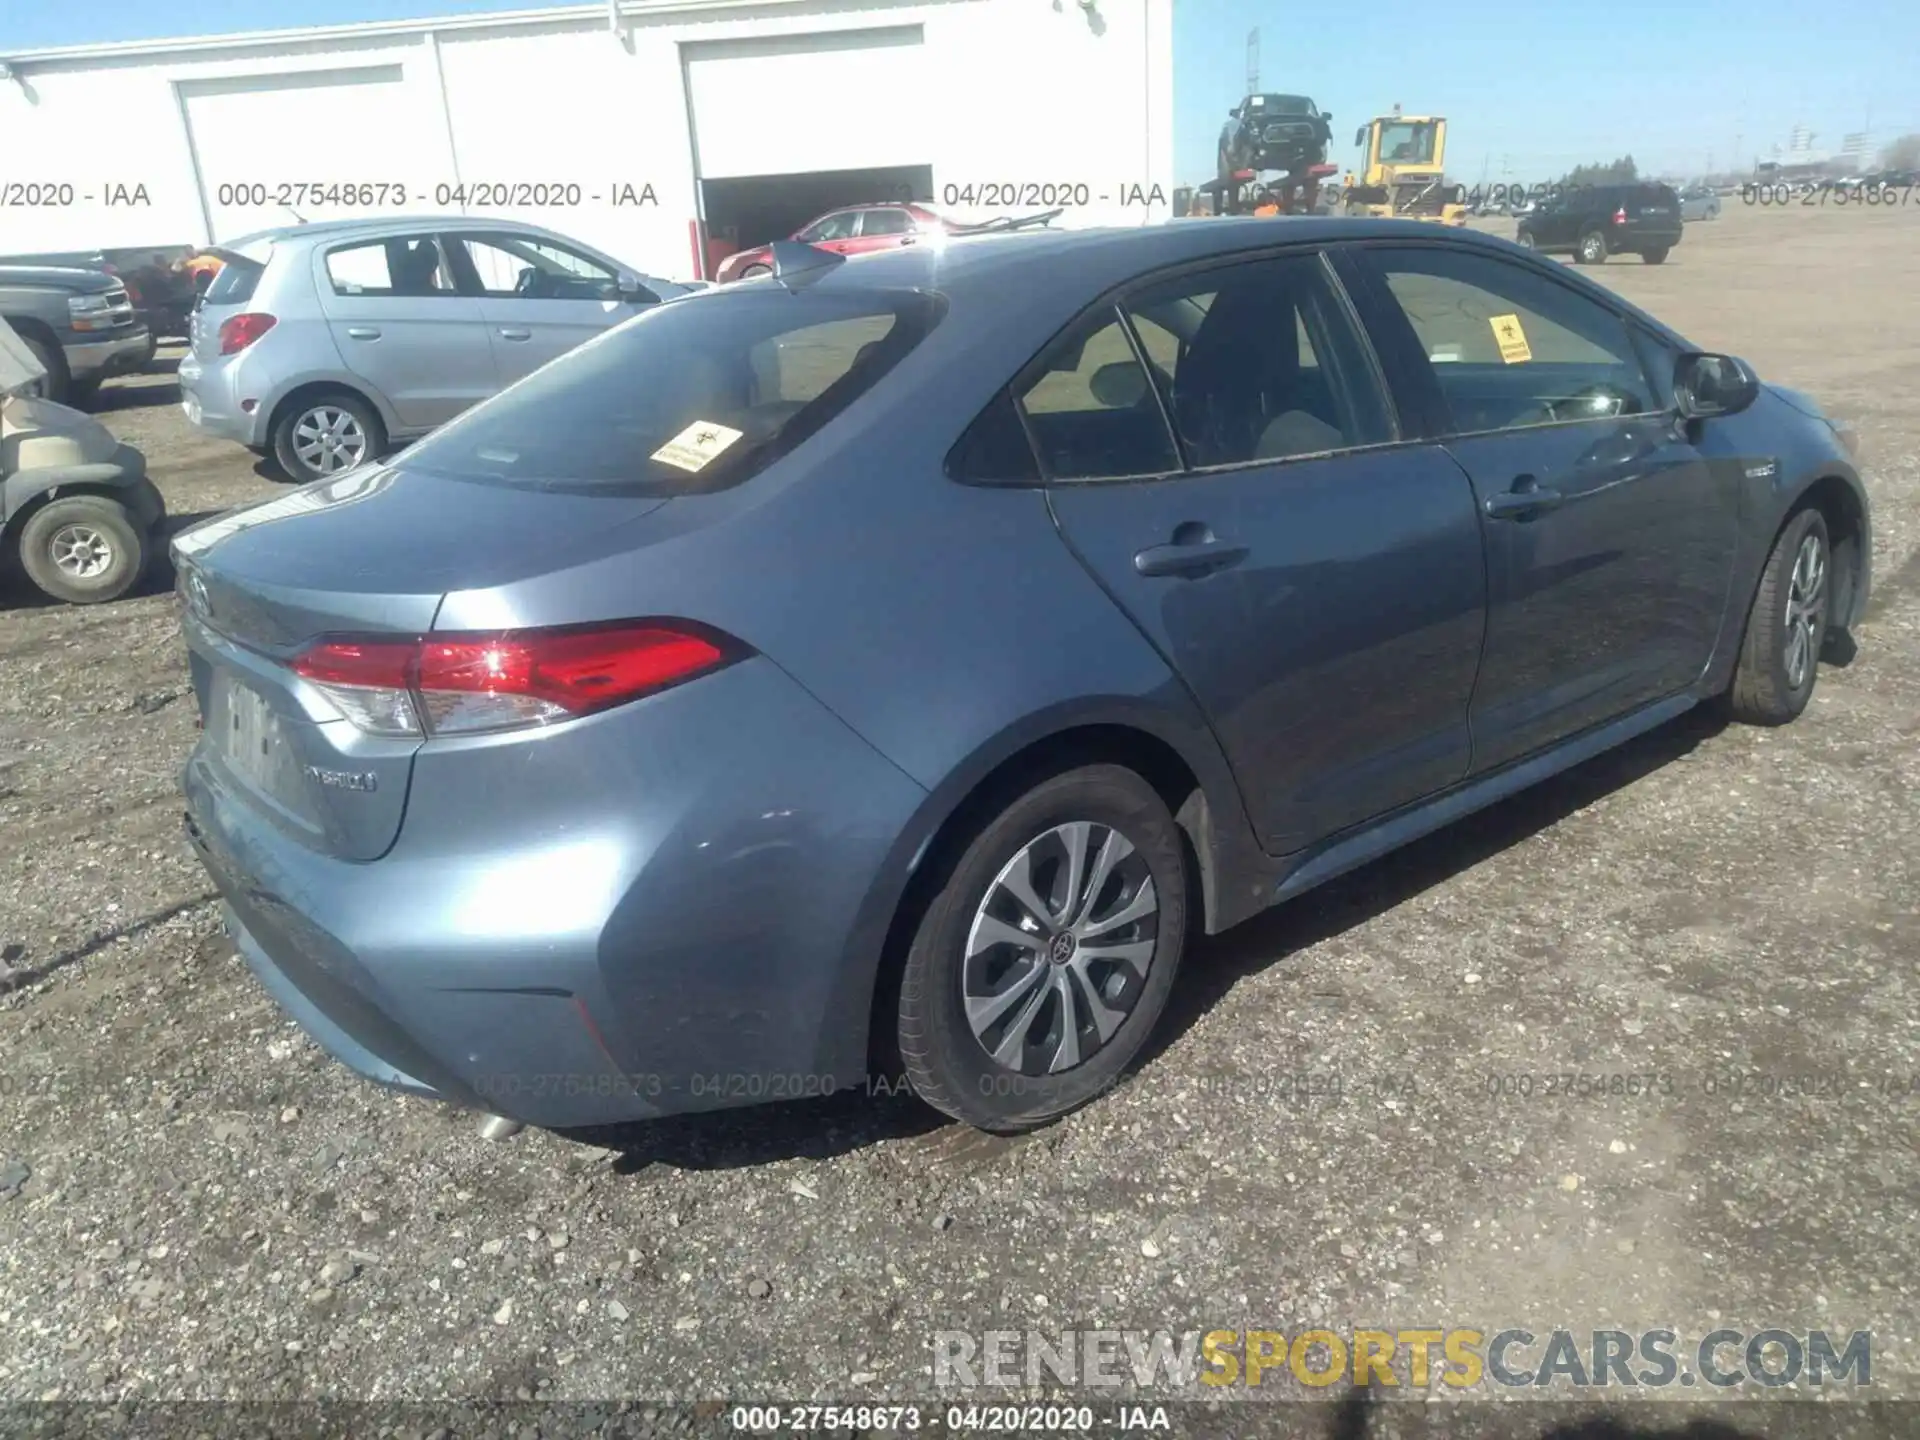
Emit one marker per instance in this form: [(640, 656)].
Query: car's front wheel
[(327, 435), (1786, 626), (1526, 240), (1043, 963)]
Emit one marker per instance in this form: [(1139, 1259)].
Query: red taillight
[(460, 684), (239, 331), (1620, 216)]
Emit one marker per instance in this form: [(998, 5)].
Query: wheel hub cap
[(1060, 948), (1806, 607), (81, 551), (328, 440)]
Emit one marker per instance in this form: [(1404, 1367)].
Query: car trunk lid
[(369, 555)]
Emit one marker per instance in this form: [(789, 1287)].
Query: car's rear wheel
[(327, 435), (1786, 627), (1655, 256), (1526, 240), (1043, 963), (1592, 249), (83, 549)]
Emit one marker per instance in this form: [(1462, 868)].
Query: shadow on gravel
[(141, 390), (1220, 962), (1359, 1415), (12, 974), (794, 1129)]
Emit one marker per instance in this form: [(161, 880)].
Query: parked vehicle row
[(560, 767)]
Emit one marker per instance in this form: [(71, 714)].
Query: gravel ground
[(211, 1209)]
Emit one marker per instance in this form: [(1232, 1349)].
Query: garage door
[(271, 149), (784, 105)]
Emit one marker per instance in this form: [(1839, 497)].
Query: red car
[(852, 230)]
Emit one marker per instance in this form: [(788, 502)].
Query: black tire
[(290, 434), (1655, 256), (755, 271), (950, 1066), (56, 531), (1526, 241), (1592, 249), (1768, 688), (57, 386)]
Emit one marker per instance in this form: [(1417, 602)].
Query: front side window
[(516, 267), (1258, 362), (886, 222), (1509, 348), (685, 397)]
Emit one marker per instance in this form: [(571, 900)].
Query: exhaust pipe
[(499, 1127)]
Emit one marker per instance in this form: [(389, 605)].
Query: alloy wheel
[(80, 551), (329, 439), (1059, 949), (1806, 606)]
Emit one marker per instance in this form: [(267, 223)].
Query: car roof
[(1048, 276), (375, 229)]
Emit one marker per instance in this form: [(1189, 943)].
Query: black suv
[(1591, 222), (1275, 132)]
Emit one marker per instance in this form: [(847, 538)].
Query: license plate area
[(253, 742)]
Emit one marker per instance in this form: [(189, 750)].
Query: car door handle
[(516, 334), (1524, 500), (362, 332), (1188, 559)]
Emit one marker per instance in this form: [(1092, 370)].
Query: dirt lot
[(213, 1209)]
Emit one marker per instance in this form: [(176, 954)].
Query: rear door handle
[(1189, 560), (506, 334), (362, 332), (1524, 500)]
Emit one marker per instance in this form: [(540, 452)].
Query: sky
[(1529, 90)]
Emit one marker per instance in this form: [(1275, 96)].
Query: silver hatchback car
[(322, 344)]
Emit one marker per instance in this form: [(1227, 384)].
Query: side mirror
[(1360, 136), (627, 285), (1327, 115), (1706, 385), (1234, 113), (1118, 385)]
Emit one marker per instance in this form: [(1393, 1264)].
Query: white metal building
[(630, 126)]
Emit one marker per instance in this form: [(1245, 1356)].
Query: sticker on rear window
[(1511, 339), (697, 446)]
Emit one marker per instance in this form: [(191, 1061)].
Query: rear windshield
[(234, 282), (696, 394)]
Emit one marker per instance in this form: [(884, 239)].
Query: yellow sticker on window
[(1511, 338), (697, 446)]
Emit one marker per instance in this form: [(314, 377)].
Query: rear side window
[(1091, 408), (692, 395)]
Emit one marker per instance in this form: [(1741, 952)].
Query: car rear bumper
[(212, 406), (675, 907)]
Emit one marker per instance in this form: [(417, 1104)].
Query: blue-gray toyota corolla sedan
[(895, 662)]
